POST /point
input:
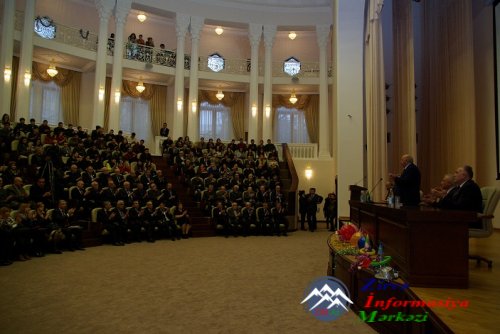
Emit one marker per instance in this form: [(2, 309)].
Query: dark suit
[(312, 201), (466, 197), (408, 186), (72, 231)]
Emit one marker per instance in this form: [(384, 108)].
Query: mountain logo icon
[(327, 298)]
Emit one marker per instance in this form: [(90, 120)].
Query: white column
[(181, 25), (121, 13), (193, 119), (254, 34), (9, 15), (104, 8), (322, 34), (25, 62), (267, 121), (348, 41)]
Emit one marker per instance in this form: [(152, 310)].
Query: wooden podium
[(429, 246), (356, 192)]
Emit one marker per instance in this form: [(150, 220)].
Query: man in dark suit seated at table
[(407, 185), (466, 195)]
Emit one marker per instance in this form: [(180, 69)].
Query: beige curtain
[(158, 104), (376, 121), (447, 133), (70, 82), (233, 100), (155, 94), (107, 98), (403, 131), (309, 104), (13, 82)]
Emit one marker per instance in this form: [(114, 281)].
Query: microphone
[(375, 186)]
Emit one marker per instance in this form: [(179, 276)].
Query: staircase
[(201, 225)]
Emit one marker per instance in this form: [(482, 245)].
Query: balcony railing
[(304, 151), (87, 40)]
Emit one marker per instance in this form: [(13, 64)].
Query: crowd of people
[(143, 50), (238, 185), (55, 181)]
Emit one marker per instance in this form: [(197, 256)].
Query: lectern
[(356, 192)]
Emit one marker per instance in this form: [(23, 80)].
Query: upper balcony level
[(75, 48)]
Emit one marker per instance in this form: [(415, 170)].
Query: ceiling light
[(219, 30), (293, 99), (52, 71), (219, 95), (141, 17), (292, 35), (140, 87)]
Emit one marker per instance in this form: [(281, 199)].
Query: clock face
[(291, 66), (216, 62), (45, 28)]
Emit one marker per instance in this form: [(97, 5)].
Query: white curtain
[(135, 116), (45, 102), (215, 121), (290, 126)]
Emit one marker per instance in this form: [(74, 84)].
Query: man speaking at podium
[(407, 185)]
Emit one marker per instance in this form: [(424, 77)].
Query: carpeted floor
[(203, 285)]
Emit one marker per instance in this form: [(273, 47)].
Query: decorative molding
[(182, 22), (195, 26), (322, 34), (122, 10), (254, 34), (104, 8), (269, 34)]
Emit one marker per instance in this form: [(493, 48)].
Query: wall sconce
[(117, 96), (308, 173), (101, 94), (179, 104), (254, 111), (268, 111), (292, 35), (194, 105), (219, 30), (7, 74), (27, 78)]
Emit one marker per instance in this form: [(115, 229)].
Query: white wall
[(485, 172), (323, 178)]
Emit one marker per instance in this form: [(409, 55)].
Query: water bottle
[(390, 198), (380, 252)]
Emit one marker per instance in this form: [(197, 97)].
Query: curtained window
[(215, 121), (45, 102), (290, 126), (135, 116)]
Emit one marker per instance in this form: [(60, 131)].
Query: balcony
[(87, 40)]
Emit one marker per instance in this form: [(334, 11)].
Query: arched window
[(215, 121), (135, 117), (290, 126), (45, 102)]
